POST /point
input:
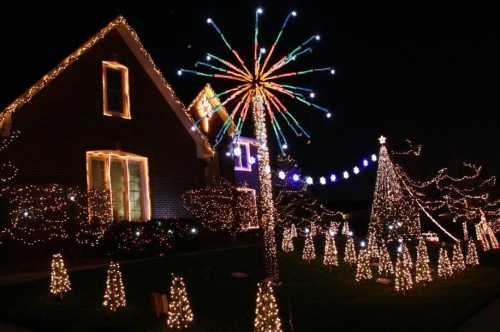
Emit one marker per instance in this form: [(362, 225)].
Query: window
[(115, 89), (125, 176), (242, 161)]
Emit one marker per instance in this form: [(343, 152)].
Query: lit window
[(125, 176), (242, 160), (115, 90)]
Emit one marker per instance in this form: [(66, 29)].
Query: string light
[(403, 280), (59, 279), (472, 258), (445, 269), (266, 310), (179, 315), (114, 295), (330, 256), (350, 251), (8, 171), (422, 269), (363, 269), (373, 250), (309, 252)]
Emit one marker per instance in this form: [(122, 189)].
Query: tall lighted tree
[(422, 269), (179, 315), (385, 266), (472, 258), (394, 214), (59, 279), (350, 252), (445, 270), (114, 295), (363, 269), (457, 260), (403, 280), (266, 311), (258, 90), (309, 252)]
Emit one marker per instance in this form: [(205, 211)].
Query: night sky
[(426, 73)]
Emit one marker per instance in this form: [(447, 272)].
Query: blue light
[(333, 178), (365, 162), (296, 177)]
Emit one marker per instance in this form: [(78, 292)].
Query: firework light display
[(259, 89)]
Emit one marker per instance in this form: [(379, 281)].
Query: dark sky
[(426, 73)]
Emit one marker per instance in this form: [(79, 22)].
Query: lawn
[(311, 297)]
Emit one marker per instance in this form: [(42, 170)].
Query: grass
[(311, 297)]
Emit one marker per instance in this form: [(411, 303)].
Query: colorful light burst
[(258, 90)]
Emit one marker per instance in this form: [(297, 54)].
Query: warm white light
[(72, 198), (312, 95), (294, 13), (328, 115), (332, 71), (281, 175), (345, 175), (260, 10), (296, 177), (400, 249), (194, 230), (209, 20), (374, 157), (382, 139), (309, 180), (179, 72), (322, 180), (170, 231), (362, 243), (400, 224), (306, 230), (333, 178), (391, 227), (365, 162), (237, 151), (317, 37), (137, 233), (356, 170), (400, 240), (25, 213), (252, 160), (351, 233)]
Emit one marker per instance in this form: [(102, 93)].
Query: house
[(106, 119)]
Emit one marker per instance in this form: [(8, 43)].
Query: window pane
[(97, 174), (114, 90), (118, 189), (135, 191)]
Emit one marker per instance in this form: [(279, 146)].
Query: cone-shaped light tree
[(472, 258), (59, 279), (445, 269), (373, 250), (422, 269), (403, 280), (385, 266), (394, 214), (363, 269), (457, 260), (114, 295), (309, 252), (179, 315), (350, 251), (266, 312), (330, 257)]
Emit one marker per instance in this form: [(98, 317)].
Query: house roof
[(204, 148)]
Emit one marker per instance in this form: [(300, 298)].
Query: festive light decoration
[(221, 206), (266, 311), (257, 89), (472, 258), (350, 251), (385, 266), (179, 315), (8, 171), (345, 228), (114, 295), (394, 213), (422, 269), (457, 259), (287, 242), (445, 269), (363, 269), (485, 234), (403, 280), (373, 249), (59, 279), (293, 231), (309, 252), (330, 256)]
